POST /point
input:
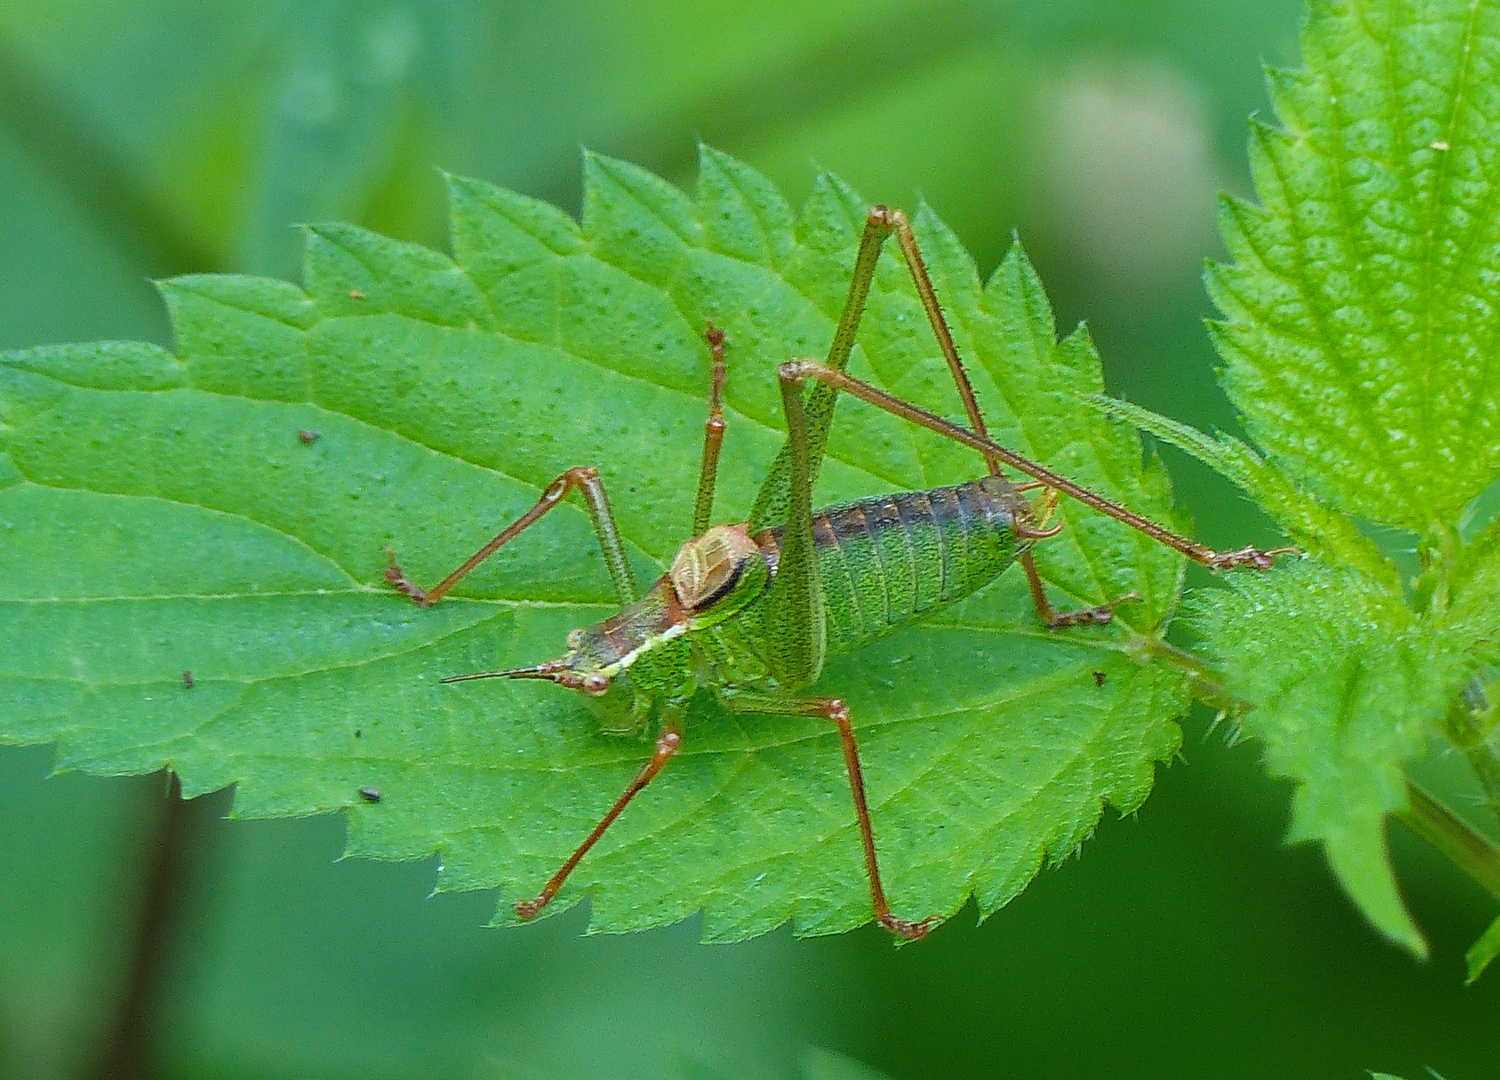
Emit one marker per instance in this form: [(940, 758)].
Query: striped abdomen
[(889, 560)]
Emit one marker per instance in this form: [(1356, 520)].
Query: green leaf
[(224, 511), (1361, 351), (1359, 333), (1320, 530), (1472, 609), (1346, 684), (820, 1064), (1482, 953), (816, 1064)]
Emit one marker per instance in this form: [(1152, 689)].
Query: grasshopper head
[(595, 656), (713, 577)]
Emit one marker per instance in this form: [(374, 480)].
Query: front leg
[(668, 742), (583, 477)]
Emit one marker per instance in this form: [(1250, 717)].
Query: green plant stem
[(1204, 683), (170, 859), (1466, 848), (1470, 724)]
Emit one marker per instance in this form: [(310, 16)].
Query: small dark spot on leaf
[(187, 679), (358, 733), (309, 436), (1098, 678), (369, 794)]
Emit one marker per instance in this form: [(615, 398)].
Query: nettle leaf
[(1470, 610), (1360, 341), (224, 511), (1347, 684), (1321, 530), (1360, 328)]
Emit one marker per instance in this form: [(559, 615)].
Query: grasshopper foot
[(530, 909), (1250, 557), (906, 930), (404, 585), (1094, 616)]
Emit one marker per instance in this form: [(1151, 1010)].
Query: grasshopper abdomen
[(890, 560)]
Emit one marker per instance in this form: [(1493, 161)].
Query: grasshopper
[(751, 611)]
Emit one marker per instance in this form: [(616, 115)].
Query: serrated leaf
[(1360, 349), (1345, 684), (1360, 331), (1319, 530), (225, 511)]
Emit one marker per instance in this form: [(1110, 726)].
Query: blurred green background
[(142, 138)]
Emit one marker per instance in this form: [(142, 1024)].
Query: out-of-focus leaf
[(1483, 952), (820, 1064)]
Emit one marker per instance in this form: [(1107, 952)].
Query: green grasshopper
[(752, 611)]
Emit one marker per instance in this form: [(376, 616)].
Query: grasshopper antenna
[(549, 670), (559, 671)]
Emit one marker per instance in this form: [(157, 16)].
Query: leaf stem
[(1204, 683), (1471, 722), (1465, 847), (169, 861)]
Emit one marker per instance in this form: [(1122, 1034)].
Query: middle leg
[(835, 711), (713, 435)]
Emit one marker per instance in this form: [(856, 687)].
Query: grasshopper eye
[(595, 684), (575, 639)]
